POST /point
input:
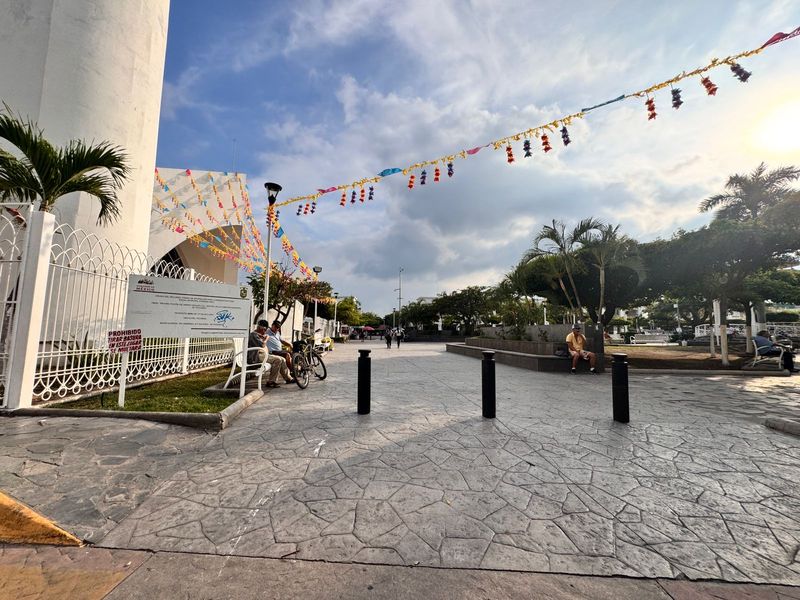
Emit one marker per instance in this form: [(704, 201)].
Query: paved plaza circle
[(695, 486)]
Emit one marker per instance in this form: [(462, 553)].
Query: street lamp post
[(335, 322), (316, 270), (272, 196)]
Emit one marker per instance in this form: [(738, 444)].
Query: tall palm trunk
[(574, 287), (566, 294), (601, 306)]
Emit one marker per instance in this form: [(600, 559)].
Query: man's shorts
[(582, 353)]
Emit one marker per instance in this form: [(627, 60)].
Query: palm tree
[(607, 248), (562, 243), (43, 173), (747, 196)]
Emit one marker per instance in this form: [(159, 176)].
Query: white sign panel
[(180, 308)]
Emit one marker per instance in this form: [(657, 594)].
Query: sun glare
[(778, 132)]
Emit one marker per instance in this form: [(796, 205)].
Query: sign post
[(124, 341)]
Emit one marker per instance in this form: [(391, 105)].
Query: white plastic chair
[(257, 369), (760, 358)]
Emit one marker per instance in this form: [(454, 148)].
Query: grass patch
[(674, 357), (182, 394)]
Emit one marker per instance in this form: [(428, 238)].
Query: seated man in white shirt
[(277, 346)]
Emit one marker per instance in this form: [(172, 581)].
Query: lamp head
[(317, 270), (272, 191)]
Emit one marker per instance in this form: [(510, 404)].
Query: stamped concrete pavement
[(693, 488)]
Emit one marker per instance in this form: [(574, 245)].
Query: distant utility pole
[(400, 298)]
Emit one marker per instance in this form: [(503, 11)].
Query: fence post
[(364, 381), (30, 309), (190, 275), (488, 395), (619, 387)]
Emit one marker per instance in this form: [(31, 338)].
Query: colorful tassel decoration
[(526, 146), (676, 98), (313, 207), (436, 174), (306, 209), (422, 177), (361, 195), (711, 89), (353, 197), (371, 192), (411, 182), (651, 109), (449, 169), (343, 201), (546, 143), (740, 73), (565, 136), (509, 154), (299, 210)]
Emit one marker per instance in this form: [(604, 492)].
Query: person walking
[(388, 337), (397, 335)]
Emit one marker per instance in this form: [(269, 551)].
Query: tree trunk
[(566, 294), (602, 292), (574, 287), (723, 330), (748, 328)]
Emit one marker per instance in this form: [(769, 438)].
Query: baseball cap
[(576, 326)]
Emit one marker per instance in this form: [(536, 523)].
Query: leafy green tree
[(284, 289), (42, 173), (557, 240), (466, 306), (748, 196), (420, 314), (606, 249), (372, 319), (349, 311)]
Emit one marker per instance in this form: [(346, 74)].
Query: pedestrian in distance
[(398, 336), (388, 337)]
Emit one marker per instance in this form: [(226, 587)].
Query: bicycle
[(306, 360)]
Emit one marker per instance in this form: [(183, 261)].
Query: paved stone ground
[(88, 474), (45, 572), (693, 487)]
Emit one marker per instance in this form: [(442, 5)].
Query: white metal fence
[(62, 291), (86, 297), (12, 244)]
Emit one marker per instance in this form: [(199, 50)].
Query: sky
[(317, 93)]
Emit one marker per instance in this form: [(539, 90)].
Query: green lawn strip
[(182, 394)]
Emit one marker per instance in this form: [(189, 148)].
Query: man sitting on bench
[(766, 347), (577, 344)]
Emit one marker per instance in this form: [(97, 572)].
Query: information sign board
[(162, 307)]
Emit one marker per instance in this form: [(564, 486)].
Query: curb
[(784, 425), (20, 524), (210, 421), (709, 372)]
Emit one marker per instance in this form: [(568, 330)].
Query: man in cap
[(277, 365), (577, 349)]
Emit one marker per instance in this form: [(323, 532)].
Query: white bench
[(240, 356)]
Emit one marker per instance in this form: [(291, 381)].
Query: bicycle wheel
[(301, 369), (318, 366)]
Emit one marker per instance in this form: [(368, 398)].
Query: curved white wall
[(93, 70)]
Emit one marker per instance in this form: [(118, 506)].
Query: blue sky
[(320, 93)]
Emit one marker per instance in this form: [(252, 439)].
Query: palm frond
[(17, 182), (101, 187), (715, 200)]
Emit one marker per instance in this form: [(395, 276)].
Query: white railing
[(86, 296), (12, 244), (784, 328)]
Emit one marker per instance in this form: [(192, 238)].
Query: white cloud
[(454, 74)]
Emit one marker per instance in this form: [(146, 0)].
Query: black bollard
[(489, 396), (619, 387), (364, 381)]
